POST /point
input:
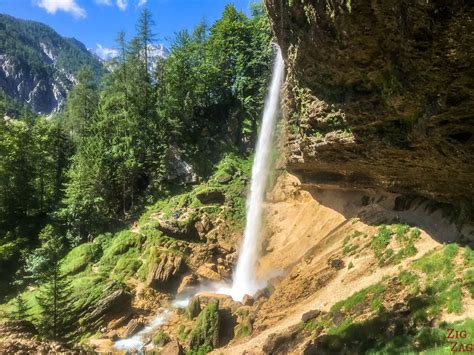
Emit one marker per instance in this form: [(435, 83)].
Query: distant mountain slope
[(107, 55), (37, 65)]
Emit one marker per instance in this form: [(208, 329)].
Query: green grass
[(356, 322), (405, 237), (78, 258), (468, 256), (469, 281), (160, 338), (357, 298)]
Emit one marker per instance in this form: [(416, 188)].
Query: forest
[(93, 168)]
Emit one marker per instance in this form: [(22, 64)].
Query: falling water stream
[(245, 281), (244, 277)]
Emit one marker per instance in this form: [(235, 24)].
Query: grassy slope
[(111, 260), (404, 313)]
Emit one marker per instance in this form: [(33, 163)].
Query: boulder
[(208, 271), (194, 308), (188, 281), (133, 327), (203, 226), (179, 225), (111, 307), (206, 328), (160, 273), (248, 300), (211, 196), (224, 179), (310, 315), (172, 348)]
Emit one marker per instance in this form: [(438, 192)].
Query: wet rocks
[(133, 327)]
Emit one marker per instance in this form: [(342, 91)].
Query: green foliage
[(244, 328), (56, 319), (194, 308), (21, 308), (78, 258), (468, 256), (435, 263), (357, 298), (160, 338), (405, 240), (183, 332), (34, 159), (469, 281)]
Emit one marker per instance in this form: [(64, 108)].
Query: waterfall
[(244, 280)]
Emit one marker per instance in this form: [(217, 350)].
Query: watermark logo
[(457, 341)]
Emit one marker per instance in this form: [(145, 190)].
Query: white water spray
[(245, 281)]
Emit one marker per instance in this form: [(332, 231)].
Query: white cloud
[(70, 6), (122, 4), (105, 53), (104, 2), (141, 2)]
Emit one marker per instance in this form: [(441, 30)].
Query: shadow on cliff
[(376, 208)]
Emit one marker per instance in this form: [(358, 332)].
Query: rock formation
[(379, 95)]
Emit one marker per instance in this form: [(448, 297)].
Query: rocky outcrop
[(206, 329), (379, 95), (172, 348), (168, 267), (113, 306), (180, 225)]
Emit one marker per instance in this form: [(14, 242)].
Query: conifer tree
[(56, 319)]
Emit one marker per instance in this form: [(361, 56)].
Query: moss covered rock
[(205, 332)]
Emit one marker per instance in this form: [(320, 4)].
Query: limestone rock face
[(160, 273), (180, 225), (379, 95), (113, 306)]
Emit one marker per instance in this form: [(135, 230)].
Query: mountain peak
[(37, 65)]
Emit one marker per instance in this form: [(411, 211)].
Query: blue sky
[(96, 22)]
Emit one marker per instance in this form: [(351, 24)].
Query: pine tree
[(82, 104), (56, 319), (21, 311)]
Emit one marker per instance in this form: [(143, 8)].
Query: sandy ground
[(303, 234)]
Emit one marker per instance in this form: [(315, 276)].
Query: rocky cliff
[(37, 65), (379, 96)]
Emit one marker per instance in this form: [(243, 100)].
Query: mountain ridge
[(37, 65)]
